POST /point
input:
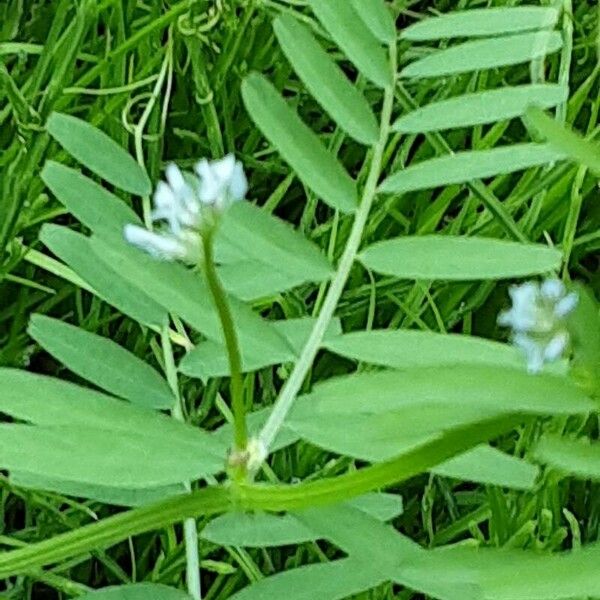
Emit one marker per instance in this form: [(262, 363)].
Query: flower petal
[(553, 289), (157, 245), (566, 305)]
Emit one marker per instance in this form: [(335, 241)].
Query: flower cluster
[(537, 318), (185, 207)]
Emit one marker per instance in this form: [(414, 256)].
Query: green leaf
[(137, 591), (537, 577), (251, 281), (584, 327), (90, 203), (186, 294), (117, 496), (380, 549), (380, 506), (377, 17), (98, 456), (500, 389), (485, 54), (481, 107), (261, 255), (355, 39), (250, 234), (411, 348), (76, 251), (51, 402), (488, 465), (256, 530), (482, 22), (259, 530), (563, 140), (466, 166), (326, 81), (383, 435), (102, 362), (334, 581), (209, 359), (298, 144), (459, 258), (575, 457), (525, 575), (99, 153)]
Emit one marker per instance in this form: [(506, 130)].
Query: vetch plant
[(215, 286)]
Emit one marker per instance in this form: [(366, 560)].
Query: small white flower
[(185, 207), (537, 318), (222, 182)]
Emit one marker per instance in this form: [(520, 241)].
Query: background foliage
[(164, 80)]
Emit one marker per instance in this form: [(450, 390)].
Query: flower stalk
[(234, 355), (188, 210)]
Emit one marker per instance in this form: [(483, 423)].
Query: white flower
[(537, 318), (185, 207), (222, 182)]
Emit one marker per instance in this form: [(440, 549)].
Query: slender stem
[(292, 386), (115, 529), (190, 531), (138, 132), (328, 491), (566, 56), (231, 341)]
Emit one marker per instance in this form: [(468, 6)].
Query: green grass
[(163, 79)]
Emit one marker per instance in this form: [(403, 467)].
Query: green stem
[(246, 496), (566, 56), (114, 529), (231, 341), (381, 475), (292, 386)]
